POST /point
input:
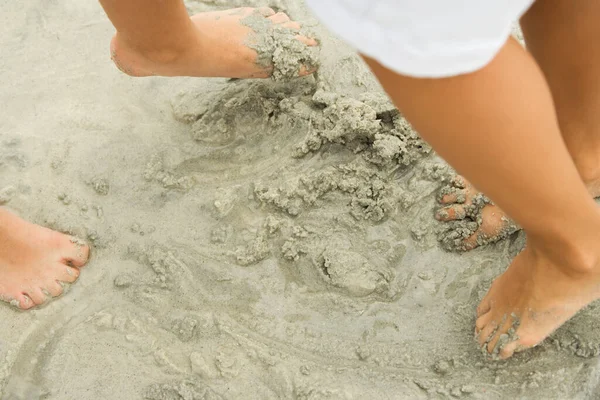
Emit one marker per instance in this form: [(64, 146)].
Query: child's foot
[(530, 300), (459, 201), (35, 261), (221, 48)]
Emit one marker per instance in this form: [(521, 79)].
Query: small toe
[(293, 25), (265, 11), (36, 295), (459, 182), (67, 274), (54, 289), (451, 213), (482, 321), (455, 196), (25, 302), (307, 41), (304, 70), (484, 306), (502, 330), (279, 18), (487, 332), (473, 241), (241, 11)]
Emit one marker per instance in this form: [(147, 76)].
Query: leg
[(34, 261), (521, 161), (156, 37), (561, 36)]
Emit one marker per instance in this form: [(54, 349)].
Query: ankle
[(587, 161), (134, 59), (574, 250)]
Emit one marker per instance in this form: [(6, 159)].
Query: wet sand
[(251, 239)]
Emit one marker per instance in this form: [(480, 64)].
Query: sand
[(251, 239)]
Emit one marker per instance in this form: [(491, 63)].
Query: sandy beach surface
[(251, 239)]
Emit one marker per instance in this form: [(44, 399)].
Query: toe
[(25, 302), (36, 295), (266, 11), (78, 253), (518, 345), (482, 322), (509, 350), (451, 213), (459, 182), (484, 306), (487, 331), (304, 70), (454, 196), (293, 25), (66, 274), (242, 11), (501, 333), (279, 18), (474, 241), (307, 41), (54, 289), (494, 226)]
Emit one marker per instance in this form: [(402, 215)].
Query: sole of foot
[(221, 47), (36, 262)]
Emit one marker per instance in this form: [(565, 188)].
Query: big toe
[(494, 226), (75, 252), (522, 341)]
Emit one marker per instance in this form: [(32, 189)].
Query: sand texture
[(260, 239)]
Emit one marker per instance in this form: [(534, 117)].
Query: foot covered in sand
[(531, 299), (237, 43), (473, 220), (35, 262)]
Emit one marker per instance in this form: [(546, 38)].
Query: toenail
[(79, 242), (266, 11), (442, 215)]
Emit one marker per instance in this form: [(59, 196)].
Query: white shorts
[(423, 38)]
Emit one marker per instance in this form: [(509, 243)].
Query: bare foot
[(221, 48), (531, 300), (35, 261), (476, 220)]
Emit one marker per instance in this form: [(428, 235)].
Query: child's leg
[(561, 35), (34, 260), (156, 37), (498, 127)]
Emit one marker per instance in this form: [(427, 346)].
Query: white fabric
[(423, 38)]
